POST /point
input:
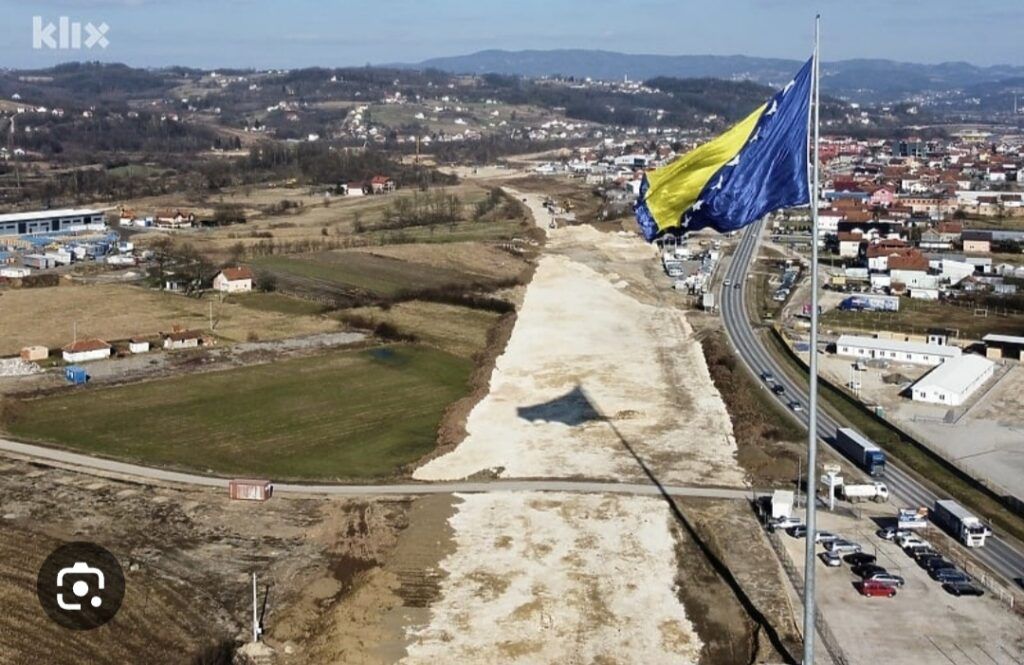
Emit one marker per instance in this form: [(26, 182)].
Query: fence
[(1011, 598)]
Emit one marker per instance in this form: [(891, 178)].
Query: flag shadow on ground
[(575, 408)]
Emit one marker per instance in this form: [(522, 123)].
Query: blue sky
[(294, 33)]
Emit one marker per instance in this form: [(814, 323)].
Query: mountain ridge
[(859, 77)]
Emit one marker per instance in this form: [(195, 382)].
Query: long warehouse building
[(953, 382), (893, 350), (50, 221)]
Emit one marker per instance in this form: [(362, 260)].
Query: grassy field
[(459, 330), (279, 303), (917, 316), (346, 414), (379, 275), (116, 311)]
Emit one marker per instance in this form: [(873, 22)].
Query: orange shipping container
[(250, 490)]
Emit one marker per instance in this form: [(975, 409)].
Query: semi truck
[(876, 492), (861, 451), (959, 523)]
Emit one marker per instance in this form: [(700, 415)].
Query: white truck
[(959, 523), (876, 492)]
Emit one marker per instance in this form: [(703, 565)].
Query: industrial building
[(915, 353), (953, 382), (1004, 346), (51, 221)]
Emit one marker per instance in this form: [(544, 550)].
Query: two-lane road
[(998, 554)]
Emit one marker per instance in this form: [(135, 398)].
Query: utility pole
[(256, 630)]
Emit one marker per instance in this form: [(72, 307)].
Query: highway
[(997, 554)]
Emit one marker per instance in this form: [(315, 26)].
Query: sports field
[(345, 414)]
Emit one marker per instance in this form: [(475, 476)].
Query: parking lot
[(922, 624)]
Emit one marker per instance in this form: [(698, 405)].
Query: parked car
[(891, 533), (886, 578), (825, 537), (841, 546), (926, 561), (831, 560), (867, 570), (785, 522), (942, 565), (872, 588), (910, 540), (938, 564), (951, 575), (922, 553), (913, 548), (798, 531), (962, 589), (859, 558)]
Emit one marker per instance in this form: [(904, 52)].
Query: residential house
[(381, 184), (878, 253), (138, 345), (182, 339), (977, 242), (86, 349), (882, 197), (176, 219), (849, 244), (234, 280)]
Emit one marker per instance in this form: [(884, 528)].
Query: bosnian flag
[(757, 166)]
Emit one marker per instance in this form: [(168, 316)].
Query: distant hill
[(859, 79)]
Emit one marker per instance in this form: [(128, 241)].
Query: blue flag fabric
[(769, 172)]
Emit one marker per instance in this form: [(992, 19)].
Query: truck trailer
[(959, 523), (877, 492), (860, 450)]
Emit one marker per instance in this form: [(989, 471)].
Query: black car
[(923, 553), (939, 564), (777, 389), (962, 589), (798, 531), (859, 558), (867, 570), (923, 561), (950, 575)]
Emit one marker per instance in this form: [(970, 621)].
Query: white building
[(138, 345), (234, 280), (86, 349), (953, 382), (915, 353), (49, 221)]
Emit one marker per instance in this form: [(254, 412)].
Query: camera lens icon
[(80, 586)]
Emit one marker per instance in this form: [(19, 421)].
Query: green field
[(280, 303), (353, 414), (378, 275)]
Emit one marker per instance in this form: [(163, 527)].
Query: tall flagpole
[(812, 412)]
